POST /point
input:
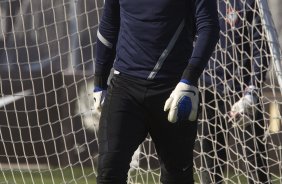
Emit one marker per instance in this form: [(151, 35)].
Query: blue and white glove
[(99, 98), (244, 110), (183, 103)]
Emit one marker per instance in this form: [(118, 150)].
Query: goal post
[(275, 50), (48, 130), (272, 38)]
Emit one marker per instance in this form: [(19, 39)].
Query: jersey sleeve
[(207, 25), (258, 46), (107, 36)]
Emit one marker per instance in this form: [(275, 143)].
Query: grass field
[(56, 176), (78, 175), (67, 175)]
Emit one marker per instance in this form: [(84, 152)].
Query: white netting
[(46, 63), (47, 128), (250, 152)]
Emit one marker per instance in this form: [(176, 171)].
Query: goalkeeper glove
[(183, 103), (243, 111), (99, 98)]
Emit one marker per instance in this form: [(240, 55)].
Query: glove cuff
[(186, 81), (97, 89), (192, 74), (100, 81)]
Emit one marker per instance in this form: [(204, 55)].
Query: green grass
[(68, 175), (77, 175)]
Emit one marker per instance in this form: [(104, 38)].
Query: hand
[(243, 111), (99, 98), (183, 103)]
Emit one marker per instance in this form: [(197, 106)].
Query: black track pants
[(133, 108)]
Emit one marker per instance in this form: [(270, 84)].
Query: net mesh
[(48, 132), (246, 148)]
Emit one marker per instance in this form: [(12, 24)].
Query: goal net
[(48, 131), (247, 148)]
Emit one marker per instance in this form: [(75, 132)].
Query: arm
[(258, 47), (244, 110), (206, 17), (183, 102), (107, 36)]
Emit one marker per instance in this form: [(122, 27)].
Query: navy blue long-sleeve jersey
[(241, 57), (154, 39)]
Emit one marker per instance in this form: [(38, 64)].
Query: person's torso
[(146, 29)]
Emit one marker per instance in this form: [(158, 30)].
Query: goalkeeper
[(154, 87), (232, 85)]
